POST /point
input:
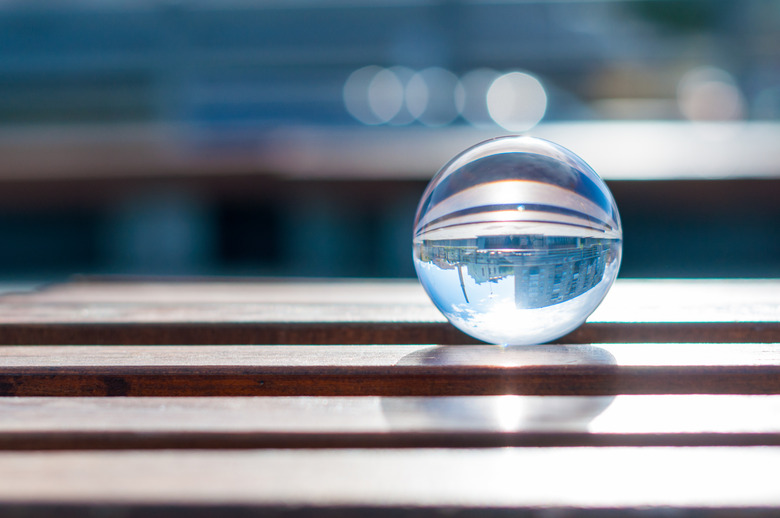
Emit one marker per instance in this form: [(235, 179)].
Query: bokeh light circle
[(517, 101)]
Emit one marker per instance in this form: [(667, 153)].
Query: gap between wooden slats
[(409, 370), (393, 422)]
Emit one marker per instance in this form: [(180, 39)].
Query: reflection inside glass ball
[(517, 240)]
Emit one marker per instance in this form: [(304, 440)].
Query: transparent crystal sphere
[(517, 240)]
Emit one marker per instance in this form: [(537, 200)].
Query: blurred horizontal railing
[(616, 150)]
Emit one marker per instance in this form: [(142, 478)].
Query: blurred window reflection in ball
[(517, 240)]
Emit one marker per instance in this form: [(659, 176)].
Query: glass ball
[(517, 240)]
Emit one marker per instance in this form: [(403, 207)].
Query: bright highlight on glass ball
[(517, 241)]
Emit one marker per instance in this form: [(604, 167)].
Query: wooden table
[(355, 398)]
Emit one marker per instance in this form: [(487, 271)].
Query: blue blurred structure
[(165, 137), (267, 63)]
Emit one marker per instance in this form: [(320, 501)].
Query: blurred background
[(295, 137)]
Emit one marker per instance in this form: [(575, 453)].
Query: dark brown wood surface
[(400, 370), (349, 399), (363, 312)]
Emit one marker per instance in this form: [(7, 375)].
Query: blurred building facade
[(272, 62), (134, 135)]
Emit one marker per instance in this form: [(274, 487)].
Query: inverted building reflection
[(546, 270)]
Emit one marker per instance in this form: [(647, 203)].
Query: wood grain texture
[(363, 312), (400, 370), (522, 478), (327, 333), (437, 428), (373, 422)]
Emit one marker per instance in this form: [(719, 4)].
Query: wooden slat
[(521, 478), (363, 313), (435, 429), (398, 370), (372, 422), (329, 333)]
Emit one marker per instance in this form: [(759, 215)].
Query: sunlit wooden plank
[(705, 478), (373, 422), (364, 313)]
